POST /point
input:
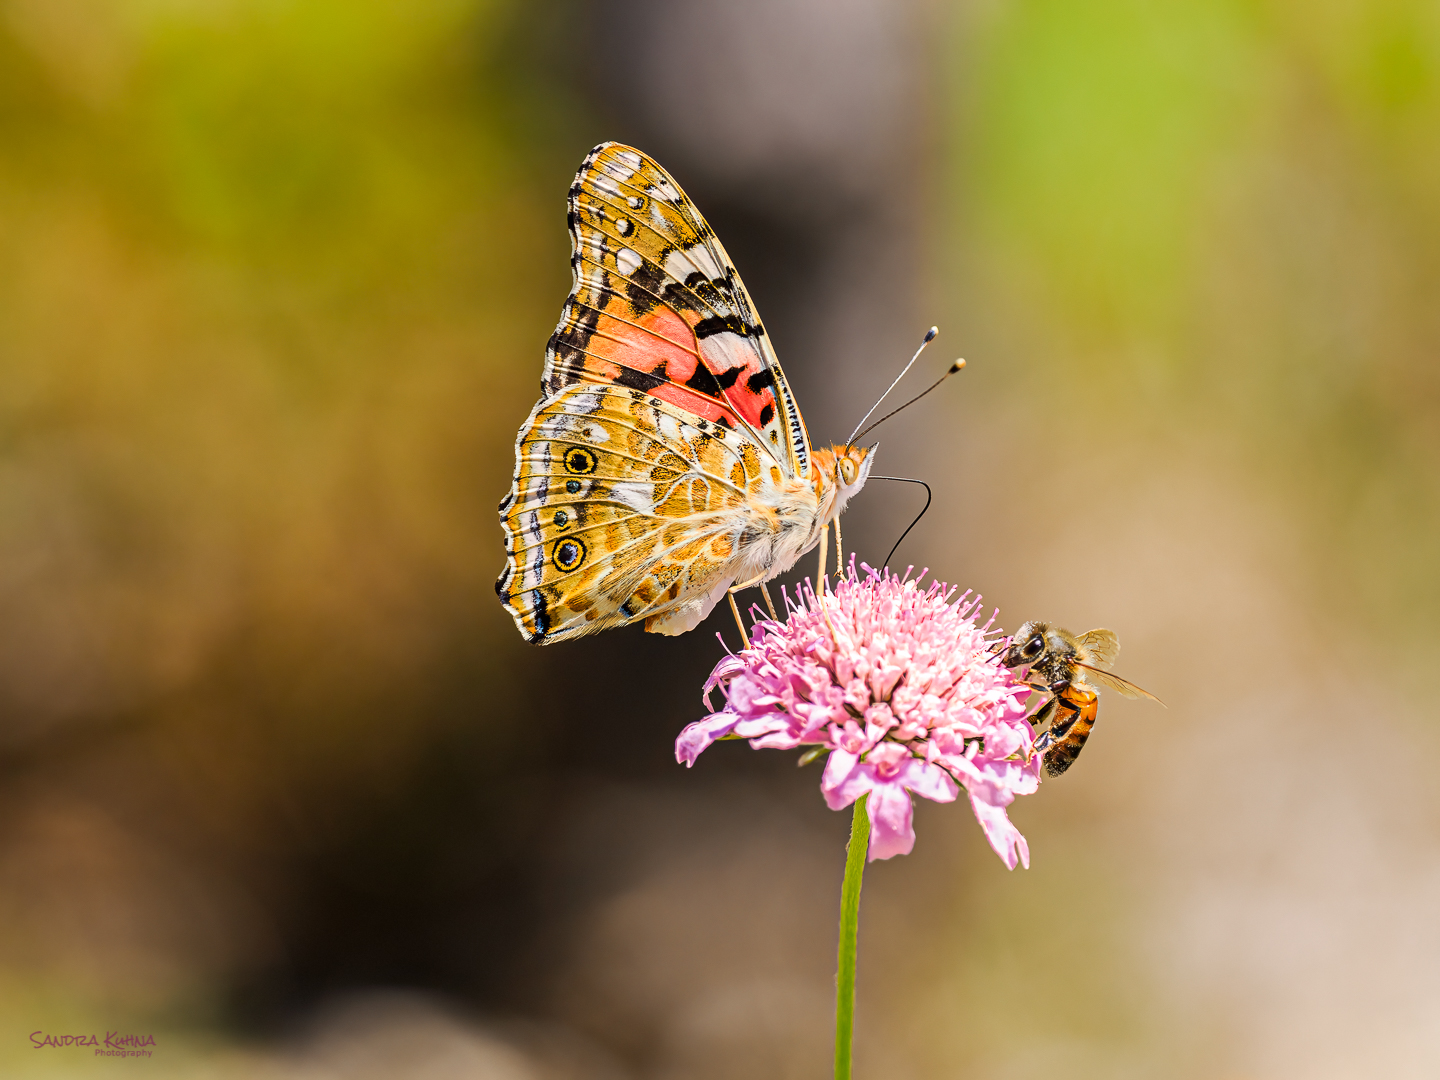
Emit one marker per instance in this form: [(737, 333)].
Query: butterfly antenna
[(928, 496), (957, 366), (929, 337)]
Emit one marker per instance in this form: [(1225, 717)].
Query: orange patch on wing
[(757, 406), (659, 343)]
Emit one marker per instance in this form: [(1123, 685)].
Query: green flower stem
[(849, 929)]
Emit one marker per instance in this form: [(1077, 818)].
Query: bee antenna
[(928, 496), (957, 366), (929, 337)]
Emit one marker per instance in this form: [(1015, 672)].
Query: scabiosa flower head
[(905, 692)]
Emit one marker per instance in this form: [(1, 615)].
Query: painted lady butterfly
[(666, 461)]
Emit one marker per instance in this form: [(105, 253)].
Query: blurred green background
[(279, 782)]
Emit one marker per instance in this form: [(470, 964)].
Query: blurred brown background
[(279, 782)]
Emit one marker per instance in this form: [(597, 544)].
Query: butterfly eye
[(847, 471)]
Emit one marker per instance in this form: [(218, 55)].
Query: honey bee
[(1061, 664)]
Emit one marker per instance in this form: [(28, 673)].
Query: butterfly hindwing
[(657, 306), (623, 507)]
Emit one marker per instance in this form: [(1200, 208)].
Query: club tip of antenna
[(956, 366), (930, 334)]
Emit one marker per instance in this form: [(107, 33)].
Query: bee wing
[(1102, 645), (1114, 682)]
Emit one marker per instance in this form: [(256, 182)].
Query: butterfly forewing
[(657, 306)]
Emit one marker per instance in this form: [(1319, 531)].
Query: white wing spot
[(624, 226), (727, 350), (616, 167), (630, 157), (635, 202), (680, 264), (635, 496), (628, 261), (671, 428)]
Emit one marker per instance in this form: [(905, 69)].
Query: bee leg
[(1039, 718), (1044, 713)]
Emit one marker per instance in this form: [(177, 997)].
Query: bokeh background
[(281, 786)]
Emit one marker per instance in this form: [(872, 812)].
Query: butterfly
[(666, 462)]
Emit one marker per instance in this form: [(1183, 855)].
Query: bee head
[(1027, 646), (1046, 651)]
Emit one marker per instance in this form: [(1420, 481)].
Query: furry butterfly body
[(666, 460)]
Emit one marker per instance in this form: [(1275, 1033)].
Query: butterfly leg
[(820, 592), (839, 558), (824, 551), (763, 592), (734, 608), (744, 638)]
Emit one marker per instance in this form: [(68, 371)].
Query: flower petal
[(1004, 837), (928, 781), (698, 737), (846, 779), (892, 831)]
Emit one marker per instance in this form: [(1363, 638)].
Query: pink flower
[(901, 688)]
